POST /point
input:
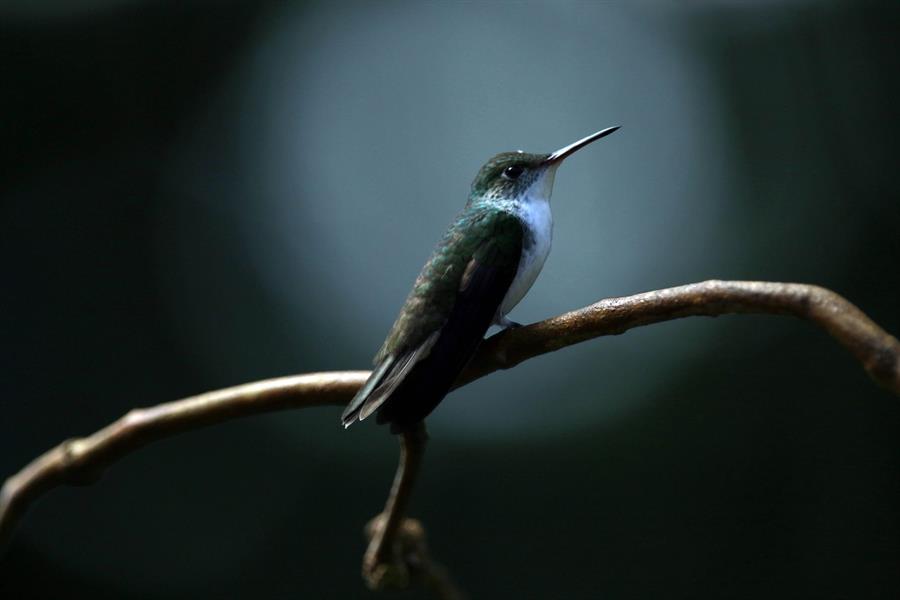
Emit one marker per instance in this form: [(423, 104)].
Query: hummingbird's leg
[(386, 558)]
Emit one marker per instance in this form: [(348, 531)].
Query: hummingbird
[(483, 266)]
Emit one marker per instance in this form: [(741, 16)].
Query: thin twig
[(83, 460), (397, 554), (384, 564)]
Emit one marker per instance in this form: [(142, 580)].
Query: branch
[(83, 460), (384, 564), (397, 554), (416, 562), (877, 350)]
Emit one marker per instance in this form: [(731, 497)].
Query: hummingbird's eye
[(513, 171)]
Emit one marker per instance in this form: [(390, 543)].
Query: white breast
[(535, 214)]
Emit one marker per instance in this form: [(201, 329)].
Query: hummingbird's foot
[(508, 324)]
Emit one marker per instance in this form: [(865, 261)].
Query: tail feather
[(385, 380), (351, 413)]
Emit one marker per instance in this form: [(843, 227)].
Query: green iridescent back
[(435, 290)]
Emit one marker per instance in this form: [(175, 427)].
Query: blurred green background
[(197, 194)]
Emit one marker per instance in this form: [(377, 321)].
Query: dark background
[(200, 194)]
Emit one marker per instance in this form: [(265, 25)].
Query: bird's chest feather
[(538, 222)]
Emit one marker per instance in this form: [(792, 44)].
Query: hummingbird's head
[(514, 175), (518, 176)]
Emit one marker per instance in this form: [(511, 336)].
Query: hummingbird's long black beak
[(560, 154)]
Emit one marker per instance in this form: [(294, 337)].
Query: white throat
[(534, 211)]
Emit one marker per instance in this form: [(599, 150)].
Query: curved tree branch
[(83, 460), (877, 350)]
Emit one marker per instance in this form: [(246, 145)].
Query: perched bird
[(482, 267)]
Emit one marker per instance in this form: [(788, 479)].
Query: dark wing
[(408, 384)]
